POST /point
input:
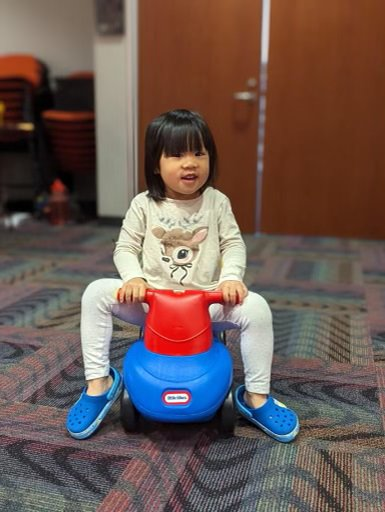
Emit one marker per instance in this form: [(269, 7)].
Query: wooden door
[(324, 170), (197, 54)]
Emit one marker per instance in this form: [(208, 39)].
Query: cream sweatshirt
[(181, 244)]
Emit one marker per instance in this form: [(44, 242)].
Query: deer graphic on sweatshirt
[(179, 248)]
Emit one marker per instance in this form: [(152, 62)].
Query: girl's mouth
[(189, 177)]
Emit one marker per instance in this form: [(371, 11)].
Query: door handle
[(245, 96)]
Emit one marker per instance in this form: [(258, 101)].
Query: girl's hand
[(233, 292), (133, 290)]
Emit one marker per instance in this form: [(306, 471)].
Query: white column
[(115, 59)]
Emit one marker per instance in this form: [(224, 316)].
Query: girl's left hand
[(233, 292)]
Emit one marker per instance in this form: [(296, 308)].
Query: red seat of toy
[(178, 322)]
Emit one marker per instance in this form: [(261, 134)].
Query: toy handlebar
[(211, 297), (178, 321)]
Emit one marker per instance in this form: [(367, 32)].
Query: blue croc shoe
[(88, 412), (272, 417)]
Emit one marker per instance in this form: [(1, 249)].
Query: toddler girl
[(179, 234)]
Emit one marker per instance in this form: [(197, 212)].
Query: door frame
[(132, 72), (262, 94)]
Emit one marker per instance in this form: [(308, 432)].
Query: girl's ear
[(157, 171)]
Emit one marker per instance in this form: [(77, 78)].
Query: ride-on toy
[(178, 371)]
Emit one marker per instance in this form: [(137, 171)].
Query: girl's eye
[(180, 155)]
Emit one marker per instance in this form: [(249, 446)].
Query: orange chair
[(21, 76), (17, 98), (21, 66), (71, 141), (81, 75), (71, 137), (23, 83)]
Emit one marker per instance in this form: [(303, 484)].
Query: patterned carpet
[(328, 301)]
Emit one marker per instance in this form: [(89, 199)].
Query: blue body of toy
[(178, 372), (178, 388)]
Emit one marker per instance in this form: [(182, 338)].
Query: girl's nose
[(189, 162)]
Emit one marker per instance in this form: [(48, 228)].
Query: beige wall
[(115, 66), (115, 125), (60, 33)]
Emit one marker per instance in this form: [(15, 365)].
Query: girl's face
[(184, 174)]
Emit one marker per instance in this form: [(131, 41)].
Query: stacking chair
[(71, 141), (16, 95), (23, 83), (75, 92)]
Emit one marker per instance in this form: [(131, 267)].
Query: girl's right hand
[(133, 290)]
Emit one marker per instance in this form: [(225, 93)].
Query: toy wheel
[(221, 336), (129, 416), (226, 416)]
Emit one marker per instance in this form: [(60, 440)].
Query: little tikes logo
[(176, 397)]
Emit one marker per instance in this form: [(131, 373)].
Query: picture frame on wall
[(109, 16)]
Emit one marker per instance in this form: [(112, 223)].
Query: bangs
[(181, 139)]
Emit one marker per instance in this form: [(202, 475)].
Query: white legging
[(253, 318)]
